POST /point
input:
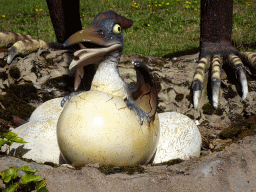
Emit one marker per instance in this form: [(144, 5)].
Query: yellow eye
[(117, 29)]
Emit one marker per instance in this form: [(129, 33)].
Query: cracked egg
[(96, 127)]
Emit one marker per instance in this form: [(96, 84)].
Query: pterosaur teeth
[(196, 96)]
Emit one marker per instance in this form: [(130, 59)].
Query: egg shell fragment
[(40, 135), (179, 138)]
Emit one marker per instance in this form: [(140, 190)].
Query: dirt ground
[(232, 169)]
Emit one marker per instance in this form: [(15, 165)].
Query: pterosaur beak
[(86, 56), (102, 36), (87, 35)]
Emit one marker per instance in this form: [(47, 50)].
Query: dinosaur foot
[(23, 44), (214, 64)]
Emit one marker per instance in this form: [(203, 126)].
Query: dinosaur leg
[(65, 18), (66, 21), (216, 47), (23, 44)]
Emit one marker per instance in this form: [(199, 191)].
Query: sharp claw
[(240, 73), (29, 45), (144, 117), (198, 79), (67, 98), (196, 96), (12, 53), (243, 80), (215, 92), (141, 115)]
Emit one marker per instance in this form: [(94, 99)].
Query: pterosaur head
[(102, 36)]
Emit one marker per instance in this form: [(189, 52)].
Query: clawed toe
[(216, 79), (240, 73), (23, 44), (216, 63), (67, 98), (250, 59), (141, 115), (198, 80)]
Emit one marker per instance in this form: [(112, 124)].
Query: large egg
[(96, 127)]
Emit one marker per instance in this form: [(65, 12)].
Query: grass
[(161, 28)]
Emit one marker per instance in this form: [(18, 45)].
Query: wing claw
[(67, 98), (141, 115), (144, 93)]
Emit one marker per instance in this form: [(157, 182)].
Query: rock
[(179, 138), (1, 84), (96, 127), (11, 161), (31, 77), (42, 80), (219, 143), (6, 83), (55, 73)]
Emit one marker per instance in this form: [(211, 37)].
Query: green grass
[(161, 28)]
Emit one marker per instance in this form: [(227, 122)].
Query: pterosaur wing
[(145, 94)]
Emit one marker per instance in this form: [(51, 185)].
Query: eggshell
[(40, 134), (179, 138), (96, 127)]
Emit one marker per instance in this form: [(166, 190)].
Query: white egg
[(96, 127)]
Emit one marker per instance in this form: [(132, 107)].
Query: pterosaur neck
[(108, 67), (107, 78)]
